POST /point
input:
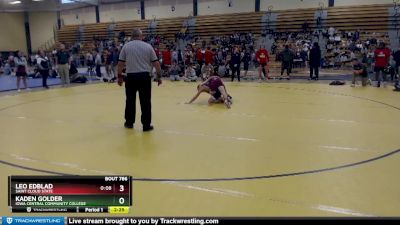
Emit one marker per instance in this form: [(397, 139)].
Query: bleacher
[(372, 20)]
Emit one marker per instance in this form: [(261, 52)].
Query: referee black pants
[(235, 71), (138, 82)]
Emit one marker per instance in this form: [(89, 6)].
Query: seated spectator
[(331, 31), (207, 71), (343, 59), (338, 39), (221, 70), (337, 51), (359, 70), (329, 47), (75, 77), (174, 72), (190, 74), (7, 70)]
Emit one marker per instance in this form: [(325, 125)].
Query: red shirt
[(167, 57), (209, 57), (382, 57), (262, 56), (199, 55)]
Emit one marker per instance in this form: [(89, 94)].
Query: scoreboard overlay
[(74, 194)]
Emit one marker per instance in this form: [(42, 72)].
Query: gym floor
[(284, 149)]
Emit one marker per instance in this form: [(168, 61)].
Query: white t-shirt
[(39, 60), (98, 59), (190, 72), (331, 31)]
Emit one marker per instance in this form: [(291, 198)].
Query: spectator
[(21, 69), (98, 62), (44, 67), (287, 57), (382, 57), (199, 57), (89, 61), (338, 39), (235, 64), (207, 71), (209, 56), (263, 59), (7, 67), (246, 62), (175, 56), (167, 59), (359, 70), (396, 58), (114, 63), (190, 74), (221, 69), (331, 31), (63, 59), (174, 72), (108, 56), (315, 61)]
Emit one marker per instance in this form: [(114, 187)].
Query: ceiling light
[(15, 2), (37, 0)]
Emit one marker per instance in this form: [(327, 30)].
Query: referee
[(139, 59)]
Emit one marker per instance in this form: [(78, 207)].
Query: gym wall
[(291, 4), (119, 12), (163, 8), (12, 37), (210, 7), (168, 8), (79, 16), (41, 26), (361, 2)]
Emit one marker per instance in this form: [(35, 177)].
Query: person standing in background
[(209, 56), (89, 61), (287, 57), (98, 62), (396, 58), (246, 62), (235, 64), (63, 59), (262, 57), (382, 58), (114, 63), (138, 58), (21, 66), (315, 61), (108, 57), (44, 67), (199, 57), (359, 70), (166, 59)]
